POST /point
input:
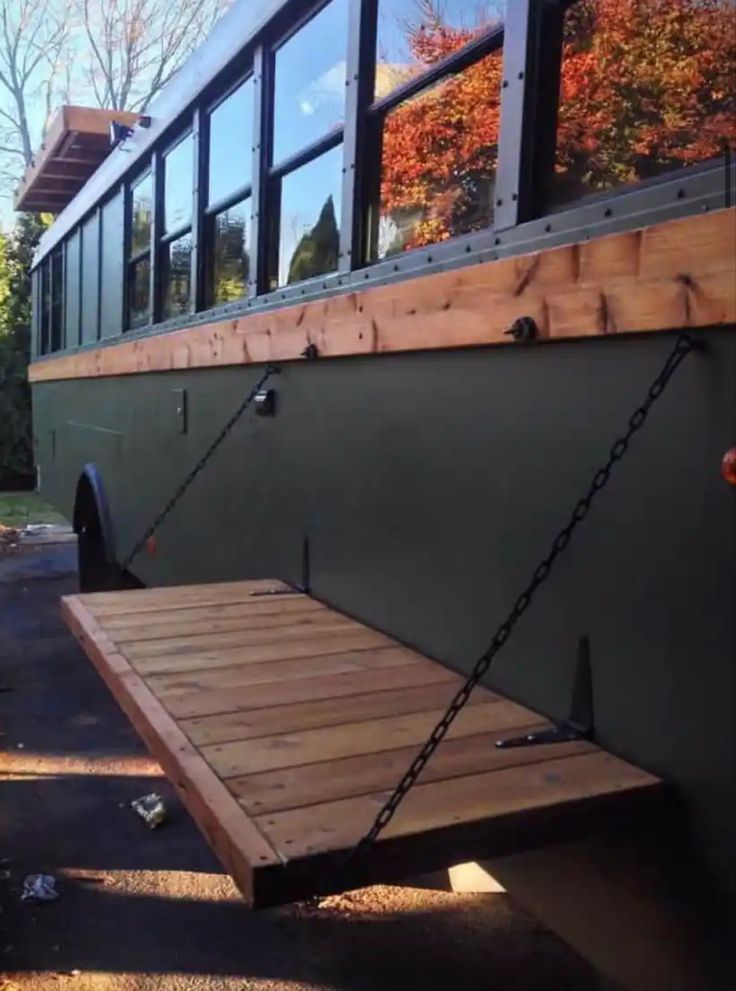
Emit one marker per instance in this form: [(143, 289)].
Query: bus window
[(176, 261), (306, 185), (646, 88), (45, 321), (227, 215), (309, 219), (231, 144), (176, 245), (57, 300), (71, 289), (309, 81), (411, 36), (230, 253), (439, 143), (91, 279), (178, 180), (139, 258), (139, 292)]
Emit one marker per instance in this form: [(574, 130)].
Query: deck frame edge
[(231, 833)]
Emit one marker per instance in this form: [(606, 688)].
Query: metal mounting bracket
[(303, 586), (579, 724)]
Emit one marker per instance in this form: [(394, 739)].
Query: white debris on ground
[(39, 887)]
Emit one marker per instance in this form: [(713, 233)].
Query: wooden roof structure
[(284, 726), (76, 144)]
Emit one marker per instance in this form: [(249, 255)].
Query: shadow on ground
[(142, 909)]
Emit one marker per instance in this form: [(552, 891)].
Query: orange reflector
[(151, 547), (728, 466)]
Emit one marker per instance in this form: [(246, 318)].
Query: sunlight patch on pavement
[(19, 764)]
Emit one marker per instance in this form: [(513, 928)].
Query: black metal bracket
[(579, 724), (310, 352), (523, 329), (260, 592), (264, 402), (304, 586)]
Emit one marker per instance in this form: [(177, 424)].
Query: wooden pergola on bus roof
[(76, 144)]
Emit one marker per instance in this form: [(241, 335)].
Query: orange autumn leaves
[(646, 86)]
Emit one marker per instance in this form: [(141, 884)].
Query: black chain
[(182, 488), (682, 348)]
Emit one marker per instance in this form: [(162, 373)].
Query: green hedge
[(16, 255)]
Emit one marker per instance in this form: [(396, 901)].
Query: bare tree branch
[(116, 54), (32, 37), (136, 46)]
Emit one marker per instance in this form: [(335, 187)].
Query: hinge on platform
[(579, 724)]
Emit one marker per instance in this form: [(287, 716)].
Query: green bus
[(468, 237)]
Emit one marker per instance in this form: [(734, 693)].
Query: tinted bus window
[(412, 36), (57, 299), (71, 289), (231, 143), (310, 73), (178, 183), (646, 88), (90, 279), (309, 220)]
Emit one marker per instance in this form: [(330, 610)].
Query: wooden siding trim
[(669, 276)]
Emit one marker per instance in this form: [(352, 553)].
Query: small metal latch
[(180, 408), (523, 329), (264, 402), (579, 724)]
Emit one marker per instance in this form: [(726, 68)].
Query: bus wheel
[(98, 569), (96, 573)]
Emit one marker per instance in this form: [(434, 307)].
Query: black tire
[(96, 573)]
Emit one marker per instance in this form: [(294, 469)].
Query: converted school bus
[(469, 244)]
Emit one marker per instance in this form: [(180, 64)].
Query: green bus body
[(429, 484)]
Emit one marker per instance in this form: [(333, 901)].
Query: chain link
[(541, 573), (182, 488)]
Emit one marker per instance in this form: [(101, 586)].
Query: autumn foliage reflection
[(647, 86)]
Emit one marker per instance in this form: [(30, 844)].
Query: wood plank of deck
[(284, 725)]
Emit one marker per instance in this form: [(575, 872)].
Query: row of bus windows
[(645, 87)]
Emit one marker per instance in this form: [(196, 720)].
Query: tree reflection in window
[(647, 87), (317, 250), (439, 157), (231, 261), (139, 275), (412, 35), (308, 225), (177, 256), (141, 215)]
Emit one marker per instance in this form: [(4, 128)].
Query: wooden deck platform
[(284, 724)]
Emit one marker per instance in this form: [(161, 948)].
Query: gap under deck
[(284, 725)]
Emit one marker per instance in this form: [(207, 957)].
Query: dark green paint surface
[(430, 485)]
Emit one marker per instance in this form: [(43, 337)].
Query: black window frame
[(374, 116), (57, 318), (209, 212), (44, 297), (165, 237), (273, 174), (132, 259), (532, 41)]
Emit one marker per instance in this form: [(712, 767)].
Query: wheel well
[(91, 509)]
